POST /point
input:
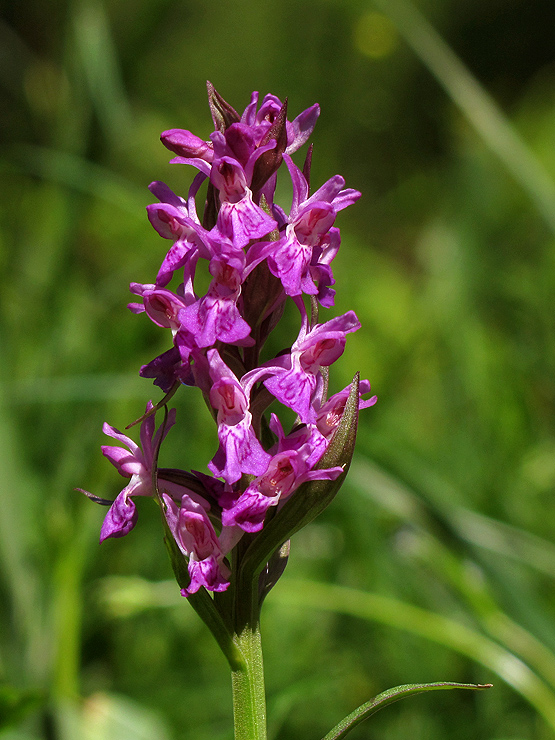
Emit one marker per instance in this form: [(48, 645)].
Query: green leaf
[(430, 625), (388, 697)]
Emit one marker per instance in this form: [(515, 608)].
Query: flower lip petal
[(120, 519)]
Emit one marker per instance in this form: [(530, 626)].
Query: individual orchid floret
[(172, 220), (198, 541), (215, 316), (295, 378), (298, 130), (291, 466), (239, 219), (169, 368), (162, 306), (261, 120), (292, 258), (330, 413), (300, 435), (239, 451), (133, 463), (171, 214), (238, 141), (183, 253), (320, 267), (176, 219), (259, 159)]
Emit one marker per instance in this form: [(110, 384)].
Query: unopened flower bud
[(186, 144)]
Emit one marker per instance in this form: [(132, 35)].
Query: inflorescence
[(258, 256)]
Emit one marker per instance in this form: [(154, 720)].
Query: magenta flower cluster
[(258, 256)]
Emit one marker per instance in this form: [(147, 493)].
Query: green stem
[(247, 679), (204, 606)]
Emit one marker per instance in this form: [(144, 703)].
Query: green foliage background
[(436, 561)]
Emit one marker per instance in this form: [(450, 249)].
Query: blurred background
[(436, 561)]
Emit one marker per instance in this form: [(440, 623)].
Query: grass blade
[(435, 627), (475, 103), (389, 697)]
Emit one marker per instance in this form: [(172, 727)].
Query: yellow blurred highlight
[(375, 36)]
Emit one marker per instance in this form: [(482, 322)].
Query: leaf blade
[(389, 697)]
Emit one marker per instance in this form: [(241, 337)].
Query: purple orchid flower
[(197, 540), (300, 435), (216, 316), (320, 267), (298, 130), (185, 144), (136, 464), (245, 135), (169, 368), (174, 218), (239, 219), (330, 413), (304, 253), (239, 451), (257, 256), (295, 378), (291, 465), (161, 305)]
